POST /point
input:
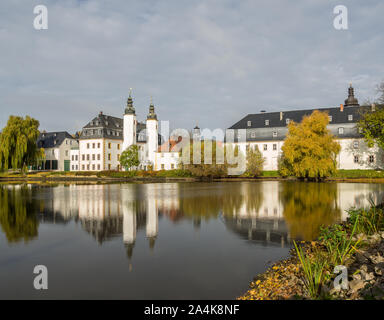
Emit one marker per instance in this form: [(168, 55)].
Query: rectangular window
[(98, 157), (287, 121), (275, 146), (83, 157), (109, 145), (253, 134), (162, 166), (83, 167), (98, 145), (109, 167), (109, 156), (93, 157), (371, 159), (118, 157), (249, 123), (88, 167), (356, 144), (87, 157), (118, 146), (93, 167), (87, 145), (73, 167), (350, 117), (266, 122), (77, 157), (341, 130), (330, 118), (265, 147), (98, 167), (93, 145), (172, 166), (356, 159), (73, 158), (274, 134)]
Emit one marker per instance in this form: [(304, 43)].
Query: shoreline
[(72, 178), (287, 279)]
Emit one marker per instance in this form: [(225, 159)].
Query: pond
[(159, 240)]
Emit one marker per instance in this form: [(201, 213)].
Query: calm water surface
[(159, 241)]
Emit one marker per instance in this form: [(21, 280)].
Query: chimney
[(281, 116), (341, 107), (373, 107)]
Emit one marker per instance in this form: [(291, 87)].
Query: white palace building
[(267, 131), (105, 137)]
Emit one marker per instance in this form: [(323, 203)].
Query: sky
[(208, 62)]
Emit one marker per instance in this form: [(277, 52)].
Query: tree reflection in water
[(307, 206), (18, 210)]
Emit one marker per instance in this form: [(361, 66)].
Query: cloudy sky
[(205, 62)]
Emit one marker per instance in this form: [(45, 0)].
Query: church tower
[(129, 123), (152, 134)]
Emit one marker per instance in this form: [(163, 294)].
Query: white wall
[(99, 151)]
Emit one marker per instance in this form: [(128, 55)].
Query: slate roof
[(258, 120), (52, 139), (104, 126), (276, 130)]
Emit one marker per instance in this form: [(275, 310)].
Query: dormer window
[(253, 134), (350, 117), (266, 122), (249, 123)]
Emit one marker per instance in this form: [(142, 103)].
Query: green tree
[(309, 151), (216, 167), (255, 162), (372, 126), (130, 157), (18, 147)]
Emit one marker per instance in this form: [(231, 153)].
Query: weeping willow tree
[(18, 147)]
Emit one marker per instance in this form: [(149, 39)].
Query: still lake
[(159, 240)]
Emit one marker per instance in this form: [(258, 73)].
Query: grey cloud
[(205, 62)]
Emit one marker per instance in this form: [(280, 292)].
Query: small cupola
[(351, 100), (152, 115), (129, 108)]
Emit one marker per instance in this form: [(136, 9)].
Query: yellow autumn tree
[(310, 150)]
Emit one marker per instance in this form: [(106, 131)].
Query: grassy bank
[(309, 273), (341, 175)]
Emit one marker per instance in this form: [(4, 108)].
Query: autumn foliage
[(310, 150)]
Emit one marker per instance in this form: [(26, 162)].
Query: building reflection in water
[(264, 213)]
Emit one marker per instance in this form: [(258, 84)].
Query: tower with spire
[(129, 123), (152, 133)]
